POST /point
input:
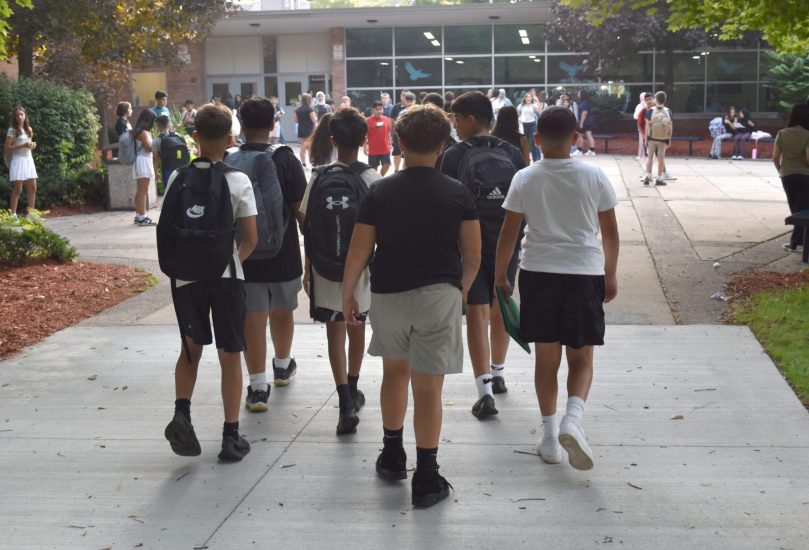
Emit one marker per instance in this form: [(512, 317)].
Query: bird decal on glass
[(414, 73)]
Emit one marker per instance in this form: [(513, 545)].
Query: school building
[(281, 48)]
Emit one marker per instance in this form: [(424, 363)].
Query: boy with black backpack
[(169, 149), (256, 158), (197, 250), (330, 204), (485, 165)]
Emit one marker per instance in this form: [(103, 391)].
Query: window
[(468, 40), (418, 41), (418, 72), (568, 68), (271, 86), (741, 96), (270, 48), (144, 85), (633, 68), (688, 67), (468, 71), (518, 39), (363, 99), (732, 66), (369, 42), (688, 98), (372, 73), (519, 70)]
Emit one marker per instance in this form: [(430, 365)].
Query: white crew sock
[(550, 428), (259, 381), (484, 384), (281, 363), (497, 370), (575, 407)]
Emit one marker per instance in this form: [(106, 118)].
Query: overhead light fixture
[(459, 62), (537, 61), (384, 63), (523, 33), (532, 57), (449, 58), (436, 43), (255, 24), (429, 35), (372, 21), (525, 40), (694, 57), (494, 17)]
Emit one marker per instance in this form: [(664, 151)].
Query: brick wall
[(188, 82), (338, 84)]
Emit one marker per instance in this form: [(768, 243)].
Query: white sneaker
[(590, 153), (572, 438), (668, 177), (550, 450), (576, 153)]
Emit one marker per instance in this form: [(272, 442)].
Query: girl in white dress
[(143, 169), (19, 144)]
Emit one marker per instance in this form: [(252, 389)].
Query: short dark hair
[(799, 115), (409, 96), (423, 128), (433, 99), (163, 121), (660, 97), (422, 95), (160, 94), (213, 122), (376, 104), (188, 102), (348, 128), (122, 108), (257, 113), (474, 104), (556, 123)]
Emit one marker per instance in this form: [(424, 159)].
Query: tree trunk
[(25, 56)]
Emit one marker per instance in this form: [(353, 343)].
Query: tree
[(789, 75), (6, 11), (783, 23)]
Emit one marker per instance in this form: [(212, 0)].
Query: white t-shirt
[(244, 205), (561, 199), (528, 112), (329, 294), (19, 140)]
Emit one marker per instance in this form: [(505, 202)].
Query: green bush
[(65, 124), (82, 186), (23, 239)]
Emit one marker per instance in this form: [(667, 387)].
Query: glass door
[(290, 89), (230, 87)]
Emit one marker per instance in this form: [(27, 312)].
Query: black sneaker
[(484, 408), (348, 422), (429, 488), (499, 384), (391, 464), (256, 401), (282, 376), (660, 182), (233, 449), (359, 400), (181, 436)]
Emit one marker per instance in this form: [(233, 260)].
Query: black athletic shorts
[(378, 160), (482, 290), (568, 309), (223, 301)]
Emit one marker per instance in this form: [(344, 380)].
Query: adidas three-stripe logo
[(495, 195)]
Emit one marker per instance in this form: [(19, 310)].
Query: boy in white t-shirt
[(196, 303), (564, 277)]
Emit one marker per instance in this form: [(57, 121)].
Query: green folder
[(511, 318)]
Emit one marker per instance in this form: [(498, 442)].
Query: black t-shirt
[(490, 228), (585, 106), (121, 126), (287, 265), (417, 214), (394, 113), (305, 124)]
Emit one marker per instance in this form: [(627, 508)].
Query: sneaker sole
[(180, 443), (424, 501), (484, 414), (549, 460), (390, 475), (577, 457), (281, 383), (257, 407)]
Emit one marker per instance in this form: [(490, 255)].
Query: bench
[(690, 140), (606, 139), (801, 219)]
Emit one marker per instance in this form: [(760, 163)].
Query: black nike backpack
[(174, 153)]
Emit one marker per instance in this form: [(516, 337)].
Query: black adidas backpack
[(195, 233), (330, 216), (487, 168), (174, 153)]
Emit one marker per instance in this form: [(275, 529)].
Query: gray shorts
[(271, 296), (422, 325)]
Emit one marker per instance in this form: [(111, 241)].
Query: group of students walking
[(410, 252)]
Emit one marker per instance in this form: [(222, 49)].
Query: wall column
[(338, 63)]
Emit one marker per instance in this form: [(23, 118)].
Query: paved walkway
[(699, 442)]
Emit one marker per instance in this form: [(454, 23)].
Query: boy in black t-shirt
[(419, 220), (473, 117)]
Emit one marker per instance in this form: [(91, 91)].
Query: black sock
[(393, 438), (426, 459), (183, 406), (352, 384), (231, 429), (344, 393)]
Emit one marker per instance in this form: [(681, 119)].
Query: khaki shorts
[(422, 325), (658, 147)]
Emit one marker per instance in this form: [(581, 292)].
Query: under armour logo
[(331, 203), (195, 211)]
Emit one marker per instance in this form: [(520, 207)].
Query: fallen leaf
[(677, 417)]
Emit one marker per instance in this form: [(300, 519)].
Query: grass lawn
[(780, 321)]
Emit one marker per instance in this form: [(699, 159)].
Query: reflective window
[(741, 96), (363, 99), (468, 40), (768, 99), (688, 98), (270, 86), (418, 72), (369, 42), (568, 68), (418, 41), (468, 71), (372, 73), (634, 68), (688, 67), (732, 66), (518, 38), (521, 69), (269, 46)]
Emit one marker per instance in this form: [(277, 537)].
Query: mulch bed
[(749, 283), (44, 297), (59, 211)]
